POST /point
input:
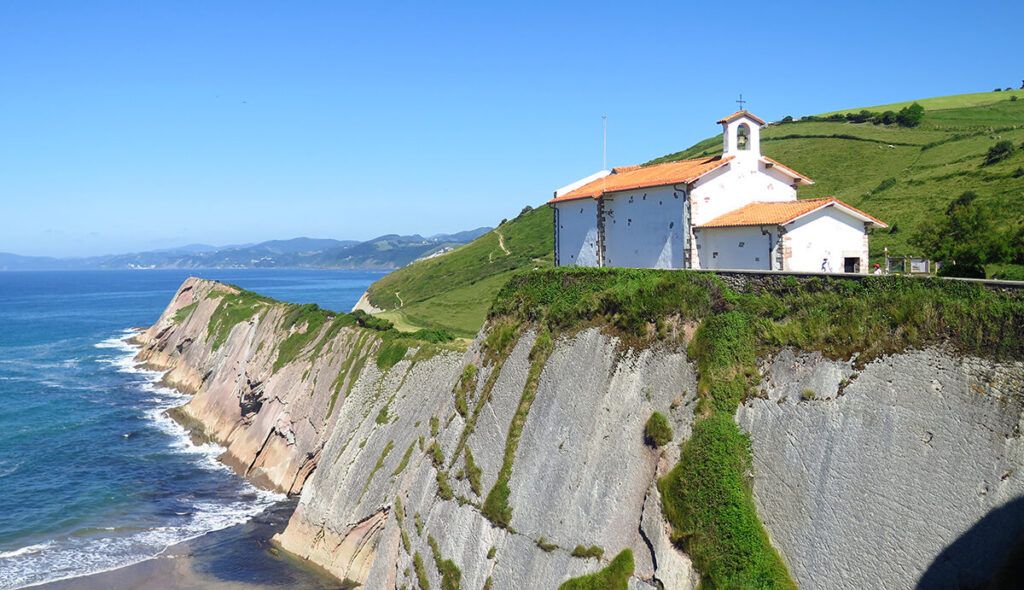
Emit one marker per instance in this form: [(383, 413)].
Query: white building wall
[(577, 232), (732, 248), (827, 233), (740, 182), (735, 185), (645, 228)]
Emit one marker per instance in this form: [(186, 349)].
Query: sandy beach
[(236, 558)]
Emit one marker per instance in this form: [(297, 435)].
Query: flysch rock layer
[(905, 473), (273, 423), (581, 475)]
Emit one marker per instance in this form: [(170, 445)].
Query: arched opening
[(742, 137)]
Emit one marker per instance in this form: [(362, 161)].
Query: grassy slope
[(455, 290), (927, 179), (944, 102)]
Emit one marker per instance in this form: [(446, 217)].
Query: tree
[(962, 238), (999, 152), (910, 116)]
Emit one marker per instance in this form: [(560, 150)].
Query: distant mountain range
[(385, 252)]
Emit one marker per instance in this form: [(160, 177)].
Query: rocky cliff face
[(881, 477), (272, 422), (864, 477)]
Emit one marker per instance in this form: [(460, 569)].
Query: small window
[(741, 244), (671, 224)]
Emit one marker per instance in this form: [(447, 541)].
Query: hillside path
[(400, 302), (501, 242)]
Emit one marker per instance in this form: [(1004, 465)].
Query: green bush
[(999, 152), (910, 116), (390, 353), (707, 499), (658, 433), (886, 184)]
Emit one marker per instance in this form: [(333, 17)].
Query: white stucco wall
[(825, 233), (577, 232), (736, 184), (645, 228), (735, 248)]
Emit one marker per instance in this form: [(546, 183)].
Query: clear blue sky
[(128, 126)]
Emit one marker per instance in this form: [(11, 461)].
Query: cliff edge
[(880, 446)]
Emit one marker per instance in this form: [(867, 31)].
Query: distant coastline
[(386, 252)]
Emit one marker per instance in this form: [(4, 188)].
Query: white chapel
[(734, 211)]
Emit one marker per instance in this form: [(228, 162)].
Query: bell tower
[(741, 135)]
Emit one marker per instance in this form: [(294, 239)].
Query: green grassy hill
[(455, 290), (903, 175), (900, 175)]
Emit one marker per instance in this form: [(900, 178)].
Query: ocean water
[(93, 475)]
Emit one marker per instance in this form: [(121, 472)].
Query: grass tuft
[(658, 433), (614, 577)]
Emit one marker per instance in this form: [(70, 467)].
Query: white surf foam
[(25, 550), (71, 557)]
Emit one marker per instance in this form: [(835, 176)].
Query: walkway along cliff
[(880, 421)]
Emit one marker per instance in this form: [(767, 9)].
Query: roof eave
[(848, 210)]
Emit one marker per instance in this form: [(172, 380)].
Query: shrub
[(861, 117), (657, 433), (999, 152), (886, 184), (787, 119), (389, 353), (707, 499), (1018, 172), (544, 545), (910, 116), (1013, 98), (887, 118)]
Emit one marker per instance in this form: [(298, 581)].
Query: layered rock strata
[(901, 472)]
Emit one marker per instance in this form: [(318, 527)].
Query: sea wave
[(25, 550), (101, 548)]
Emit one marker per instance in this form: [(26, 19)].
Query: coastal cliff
[(520, 460)]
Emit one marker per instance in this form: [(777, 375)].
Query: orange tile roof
[(779, 213), (787, 169), (634, 177), (739, 114)]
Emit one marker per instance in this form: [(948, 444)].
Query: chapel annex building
[(734, 211)]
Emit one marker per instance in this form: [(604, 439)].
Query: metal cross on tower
[(741, 101)]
